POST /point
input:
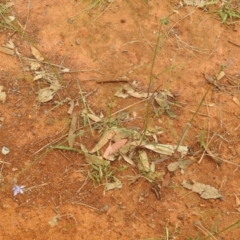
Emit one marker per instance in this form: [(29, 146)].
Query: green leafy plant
[(103, 174)]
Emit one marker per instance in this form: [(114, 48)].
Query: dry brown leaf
[(161, 148), (65, 70), (126, 148), (121, 133), (128, 90), (37, 54), (72, 130), (173, 166), (128, 159), (220, 75), (94, 117), (152, 167), (114, 185), (55, 85), (112, 148), (183, 164), (162, 100), (10, 44), (35, 66), (104, 139), (92, 159), (144, 163), (6, 51), (205, 191), (45, 94), (138, 95), (11, 18), (38, 76)]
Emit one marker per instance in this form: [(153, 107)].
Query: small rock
[(5, 150)]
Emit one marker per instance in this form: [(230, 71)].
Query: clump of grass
[(229, 13), (5, 18), (103, 174), (93, 4)]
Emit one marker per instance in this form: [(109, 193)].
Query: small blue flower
[(17, 189)]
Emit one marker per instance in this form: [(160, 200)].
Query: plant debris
[(3, 95), (205, 191), (112, 148), (53, 222), (196, 3), (114, 185), (182, 164), (72, 129), (37, 54), (45, 94)]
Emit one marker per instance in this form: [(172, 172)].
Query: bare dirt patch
[(88, 57)]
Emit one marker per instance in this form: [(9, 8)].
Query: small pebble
[(5, 150)]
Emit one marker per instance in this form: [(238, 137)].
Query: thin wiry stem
[(162, 22)]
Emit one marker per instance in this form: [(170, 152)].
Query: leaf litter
[(45, 94), (124, 143), (112, 148), (205, 191), (180, 164)]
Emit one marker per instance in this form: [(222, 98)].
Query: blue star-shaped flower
[(17, 189)]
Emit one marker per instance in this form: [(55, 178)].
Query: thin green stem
[(163, 21), (191, 120)]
